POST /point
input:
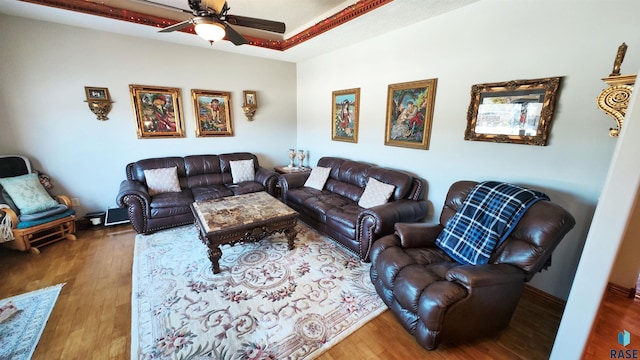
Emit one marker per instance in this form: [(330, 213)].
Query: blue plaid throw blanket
[(487, 216)]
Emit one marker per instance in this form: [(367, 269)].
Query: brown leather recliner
[(437, 299)]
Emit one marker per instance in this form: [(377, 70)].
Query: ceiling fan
[(212, 22)]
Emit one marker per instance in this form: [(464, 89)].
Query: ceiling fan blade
[(234, 36), (267, 25), (216, 5), (178, 26)]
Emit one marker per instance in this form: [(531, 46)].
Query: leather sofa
[(437, 299), (201, 177), (334, 210)]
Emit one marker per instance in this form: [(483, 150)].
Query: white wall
[(44, 68), (489, 41), (605, 238)]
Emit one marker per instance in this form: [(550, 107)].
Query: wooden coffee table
[(241, 218)]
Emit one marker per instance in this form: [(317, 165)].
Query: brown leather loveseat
[(334, 210), (201, 177), (438, 299)]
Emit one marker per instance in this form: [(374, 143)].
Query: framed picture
[(212, 113), (97, 93), (158, 111), (345, 112), (410, 113), (250, 98), (517, 111)]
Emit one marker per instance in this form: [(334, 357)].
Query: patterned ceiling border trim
[(100, 9)]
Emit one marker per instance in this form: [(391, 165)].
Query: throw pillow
[(242, 170), (318, 177), (162, 180), (28, 194), (376, 193)]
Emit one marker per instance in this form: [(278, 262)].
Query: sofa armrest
[(472, 276), (135, 188), (134, 196), (268, 179), (418, 235), (387, 215), (291, 181)]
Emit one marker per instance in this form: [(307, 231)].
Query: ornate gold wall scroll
[(614, 100)]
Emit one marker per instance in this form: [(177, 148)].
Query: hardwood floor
[(92, 317), (617, 313)]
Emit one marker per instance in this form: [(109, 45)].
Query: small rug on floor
[(20, 333), (267, 302)]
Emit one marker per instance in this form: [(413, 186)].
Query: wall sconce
[(250, 104), (614, 100), (99, 101)]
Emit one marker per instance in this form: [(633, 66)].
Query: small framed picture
[(345, 112), (212, 113), (97, 93), (250, 98), (158, 111)]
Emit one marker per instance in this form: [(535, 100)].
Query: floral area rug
[(267, 302), (19, 334)]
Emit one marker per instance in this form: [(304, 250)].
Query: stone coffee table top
[(239, 210)]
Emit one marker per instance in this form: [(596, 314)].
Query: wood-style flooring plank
[(616, 313), (92, 317)]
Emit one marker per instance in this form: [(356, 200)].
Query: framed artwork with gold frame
[(212, 113), (410, 113), (345, 112), (250, 98), (157, 110), (97, 93), (518, 111)]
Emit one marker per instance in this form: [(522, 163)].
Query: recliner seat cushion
[(167, 200), (346, 215), (169, 211), (298, 196), (245, 187), (203, 193)]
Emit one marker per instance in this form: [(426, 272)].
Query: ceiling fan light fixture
[(210, 31)]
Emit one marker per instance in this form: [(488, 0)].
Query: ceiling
[(313, 27)]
